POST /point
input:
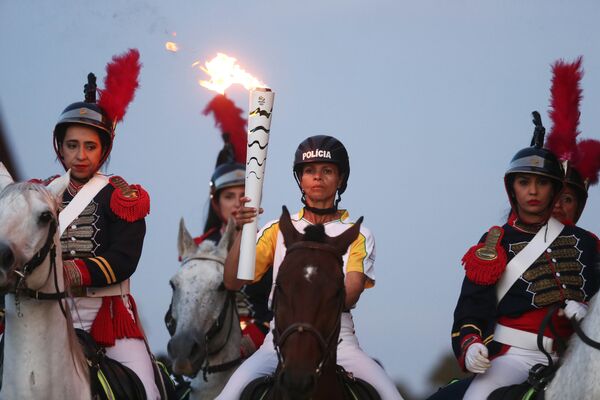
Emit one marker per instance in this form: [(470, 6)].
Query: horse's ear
[(342, 242), (227, 239), (59, 185), (185, 243), (5, 177), (290, 234)]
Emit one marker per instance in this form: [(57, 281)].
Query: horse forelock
[(194, 288), (315, 233)]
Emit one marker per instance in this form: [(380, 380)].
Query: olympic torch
[(224, 71), (259, 126)]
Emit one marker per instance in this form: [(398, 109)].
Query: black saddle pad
[(523, 391), (109, 379)]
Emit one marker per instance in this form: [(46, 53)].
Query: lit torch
[(224, 71)]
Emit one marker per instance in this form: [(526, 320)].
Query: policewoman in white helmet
[(321, 169)]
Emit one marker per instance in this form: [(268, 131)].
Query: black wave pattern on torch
[(256, 159), (257, 142), (260, 128), (255, 174), (261, 112)]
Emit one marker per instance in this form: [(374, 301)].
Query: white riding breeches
[(511, 368), (129, 352), (349, 355)]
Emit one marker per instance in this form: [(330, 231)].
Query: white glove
[(476, 359), (575, 309)]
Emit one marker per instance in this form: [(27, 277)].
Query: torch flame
[(171, 46), (224, 71)]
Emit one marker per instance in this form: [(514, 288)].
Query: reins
[(583, 336), (49, 249), (218, 324)]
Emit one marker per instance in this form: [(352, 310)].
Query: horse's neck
[(577, 376), (38, 349), (215, 382)]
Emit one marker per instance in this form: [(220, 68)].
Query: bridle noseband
[(326, 344)]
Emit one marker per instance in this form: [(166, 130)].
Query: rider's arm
[(355, 284), (231, 265)]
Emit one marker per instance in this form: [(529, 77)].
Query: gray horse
[(207, 334), (577, 378)]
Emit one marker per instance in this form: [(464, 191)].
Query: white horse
[(577, 377), (42, 357), (207, 334)]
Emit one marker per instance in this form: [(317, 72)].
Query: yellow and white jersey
[(270, 248)]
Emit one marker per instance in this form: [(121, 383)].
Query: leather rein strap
[(218, 324), (49, 249)]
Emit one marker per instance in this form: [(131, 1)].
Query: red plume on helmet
[(588, 160), (564, 103), (233, 127), (120, 84), (566, 93)]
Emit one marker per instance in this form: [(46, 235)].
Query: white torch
[(225, 71), (259, 126)]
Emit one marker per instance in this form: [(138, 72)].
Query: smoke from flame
[(224, 71)]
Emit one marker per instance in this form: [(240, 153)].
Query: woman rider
[(103, 228), (226, 193), (518, 272), (321, 169)]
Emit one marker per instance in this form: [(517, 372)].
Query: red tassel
[(102, 328), (124, 324), (484, 272), (130, 208)]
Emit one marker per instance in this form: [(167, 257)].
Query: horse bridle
[(48, 249), (325, 344), (218, 324)]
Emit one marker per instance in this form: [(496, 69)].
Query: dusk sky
[(431, 98)]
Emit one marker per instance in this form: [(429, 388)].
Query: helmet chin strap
[(322, 211)]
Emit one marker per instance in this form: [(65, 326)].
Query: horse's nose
[(7, 257)]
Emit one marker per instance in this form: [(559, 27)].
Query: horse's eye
[(45, 217)]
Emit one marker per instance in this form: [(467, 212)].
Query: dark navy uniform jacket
[(566, 270), (105, 246)]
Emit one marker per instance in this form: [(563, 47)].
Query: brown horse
[(308, 302)]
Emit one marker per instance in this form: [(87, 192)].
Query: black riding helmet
[(323, 148), (86, 113), (534, 160)]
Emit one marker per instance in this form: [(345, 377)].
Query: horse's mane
[(20, 187), (315, 233)]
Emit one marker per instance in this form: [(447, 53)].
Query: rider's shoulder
[(129, 202), (485, 262)]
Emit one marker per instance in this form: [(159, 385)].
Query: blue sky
[(432, 99)]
